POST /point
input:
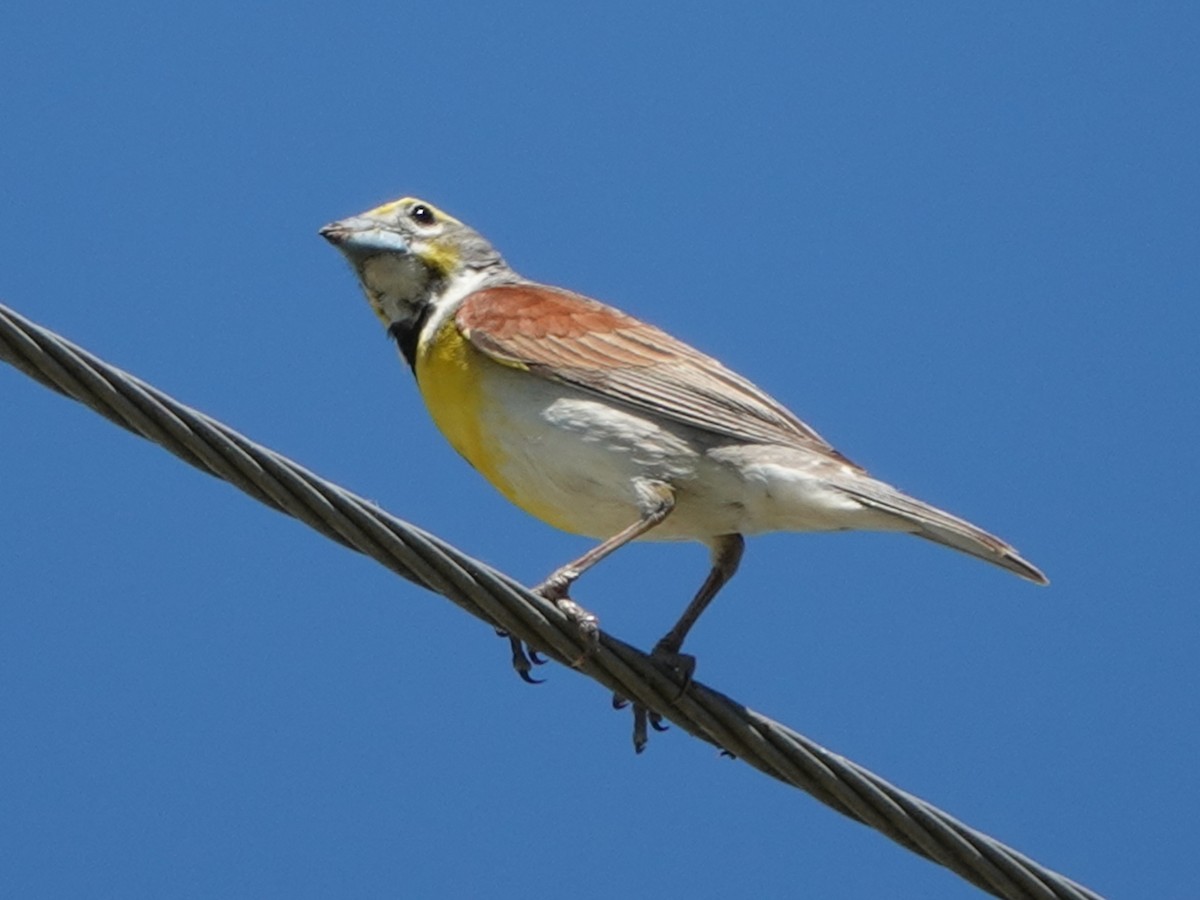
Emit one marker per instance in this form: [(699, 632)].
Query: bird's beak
[(360, 236)]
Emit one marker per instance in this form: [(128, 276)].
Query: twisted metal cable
[(500, 601)]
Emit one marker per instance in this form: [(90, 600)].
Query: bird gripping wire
[(500, 601)]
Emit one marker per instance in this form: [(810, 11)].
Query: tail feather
[(941, 527)]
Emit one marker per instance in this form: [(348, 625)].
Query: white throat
[(395, 285)]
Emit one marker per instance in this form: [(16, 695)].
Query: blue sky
[(959, 241)]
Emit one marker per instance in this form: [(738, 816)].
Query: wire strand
[(500, 601)]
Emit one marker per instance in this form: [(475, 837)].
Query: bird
[(605, 426)]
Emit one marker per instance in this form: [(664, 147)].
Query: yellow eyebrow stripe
[(390, 208)]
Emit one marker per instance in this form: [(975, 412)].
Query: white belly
[(573, 460)]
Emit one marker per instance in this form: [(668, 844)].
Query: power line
[(500, 601)]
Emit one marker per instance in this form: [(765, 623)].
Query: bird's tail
[(936, 525)]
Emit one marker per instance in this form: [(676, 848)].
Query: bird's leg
[(726, 555), (656, 499)]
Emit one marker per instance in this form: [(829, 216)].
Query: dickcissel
[(602, 425)]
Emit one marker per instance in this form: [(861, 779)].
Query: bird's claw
[(522, 661), (554, 589), (673, 663), (642, 717)]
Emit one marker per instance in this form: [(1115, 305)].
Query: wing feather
[(574, 340)]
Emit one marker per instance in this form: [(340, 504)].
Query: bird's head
[(407, 253)]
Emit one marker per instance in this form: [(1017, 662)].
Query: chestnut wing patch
[(574, 340)]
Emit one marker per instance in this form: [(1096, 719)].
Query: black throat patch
[(407, 333)]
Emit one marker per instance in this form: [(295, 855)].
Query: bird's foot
[(555, 590), (672, 662), (522, 661), (555, 587), (587, 623), (641, 718), (682, 665)]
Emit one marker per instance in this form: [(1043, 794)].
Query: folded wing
[(574, 340)]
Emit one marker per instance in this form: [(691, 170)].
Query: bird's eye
[(422, 215)]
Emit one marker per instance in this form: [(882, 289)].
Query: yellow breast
[(451, 374), (493, 421)]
